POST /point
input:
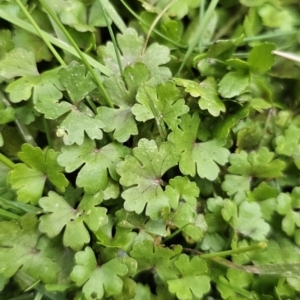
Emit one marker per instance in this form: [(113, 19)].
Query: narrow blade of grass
[(40, 33), (19, 206), (8, 215), (154, 30), (57, 42), (112, 35), (113, 15), (31, 282), (202, 26), (156, 20)]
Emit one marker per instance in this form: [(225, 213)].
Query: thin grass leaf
[(40, 33), (154, 30), (112, 35), (57, 42), (38, 296), (156, 20), (8, 215), (30, 282), (113, 15), (202, 26), (19, 206)]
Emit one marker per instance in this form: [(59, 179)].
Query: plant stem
[(6, 161), (258, 246), (175, 233), (156, 20), (83, 58), (154, 30)]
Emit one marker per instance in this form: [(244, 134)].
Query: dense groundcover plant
[(149, 149)]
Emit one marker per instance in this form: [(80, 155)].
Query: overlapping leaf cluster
[(113, 183)]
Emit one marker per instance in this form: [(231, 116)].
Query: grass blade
[(40, 33), (113, 15), (156, 20), (57, 42), (199, 33), (111, 33)]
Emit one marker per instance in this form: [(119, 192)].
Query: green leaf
[(261, 58), (206, 156), (182, 189), (77, 121), (288, 205), (29, 178), (142, 173), (6, 43), (192, 282), (94, 163), (58, 214), (7, 114), (236, 278), (256, 164), (122, 237), (245, 166), (146, 228), (233, 84), (288, 144), (75, 80), (73, 14), (18, 62), (44, 87), (130, 45), (207, 91), (22, 248), (121, 120), (192, 224), (161, 102), (250, 222), (32, 43), (97, 280), (158, 259)]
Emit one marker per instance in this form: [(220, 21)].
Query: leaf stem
[(154, 30), (83, 58), (261, 245), (156, 20), (112, 35), (6, 161), (175, 233), (40, 33)]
